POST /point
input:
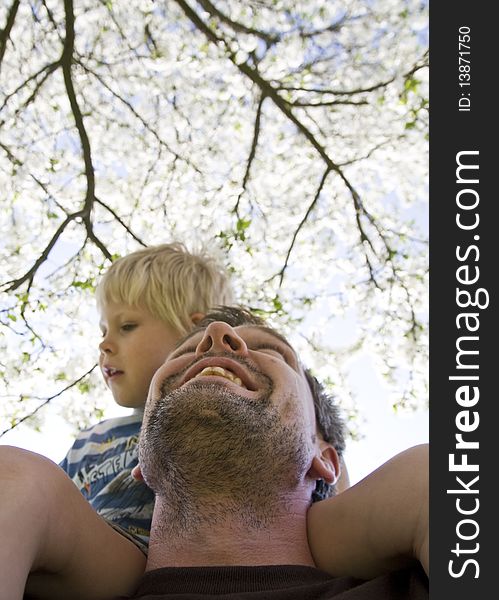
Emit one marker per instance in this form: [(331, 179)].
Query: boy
[(147, 301)]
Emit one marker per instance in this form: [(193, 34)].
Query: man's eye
[(181, 351), (128, 326), (272, 350)]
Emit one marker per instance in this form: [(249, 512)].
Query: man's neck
[(231, 541)]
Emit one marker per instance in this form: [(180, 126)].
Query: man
[(236, 440)]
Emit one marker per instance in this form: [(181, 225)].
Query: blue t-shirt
[(100, 464)]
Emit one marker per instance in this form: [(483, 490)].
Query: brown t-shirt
[(286, 582)]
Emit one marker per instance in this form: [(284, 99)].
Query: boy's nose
[(105, 347), (221, 337)]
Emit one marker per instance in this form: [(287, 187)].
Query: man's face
[(249, 362), (229, 412)]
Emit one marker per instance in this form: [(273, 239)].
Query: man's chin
[(203, 441)]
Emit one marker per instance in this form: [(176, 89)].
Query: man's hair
[(169, 281), (329, 420)]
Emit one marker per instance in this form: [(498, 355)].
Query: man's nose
[(221, 337)]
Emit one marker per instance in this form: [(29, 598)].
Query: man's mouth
[(233, 371), (220, 372)]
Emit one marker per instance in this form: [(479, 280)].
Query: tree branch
[(352, 92), (66, 63), (49, 194), (268, 90), (18, 163), (420, 64), (23, 298), (365, 156), (85, 213), (120, 221), (5, 32), (302, 223), (254, 143), (298, 103), (51, 18), (47, 401), (93, 238), (10, 286), (328, 29), (268, 38), (109, 8), (138, 116), (13, 159), (49, 70)]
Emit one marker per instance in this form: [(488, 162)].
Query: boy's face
[(134, 345)]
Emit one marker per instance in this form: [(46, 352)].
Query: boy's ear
[(137, 473), (196, 317), (325, 464)]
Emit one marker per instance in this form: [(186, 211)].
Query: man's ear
[(137, 473), (196, 317), (325, 464)]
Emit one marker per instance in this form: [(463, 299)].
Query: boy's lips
[(111, 372)]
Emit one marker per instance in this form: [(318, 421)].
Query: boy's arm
[(51, 534), (378, 525)]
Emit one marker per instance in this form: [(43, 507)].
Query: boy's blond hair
[(169, 281)]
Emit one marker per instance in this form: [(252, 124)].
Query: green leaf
[(83, 387), (277, 303), (411, 84), (84, 285), (243, 224)]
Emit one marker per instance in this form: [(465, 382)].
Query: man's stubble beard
[(213, 454)]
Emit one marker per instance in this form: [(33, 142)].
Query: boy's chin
[(124, 403)]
